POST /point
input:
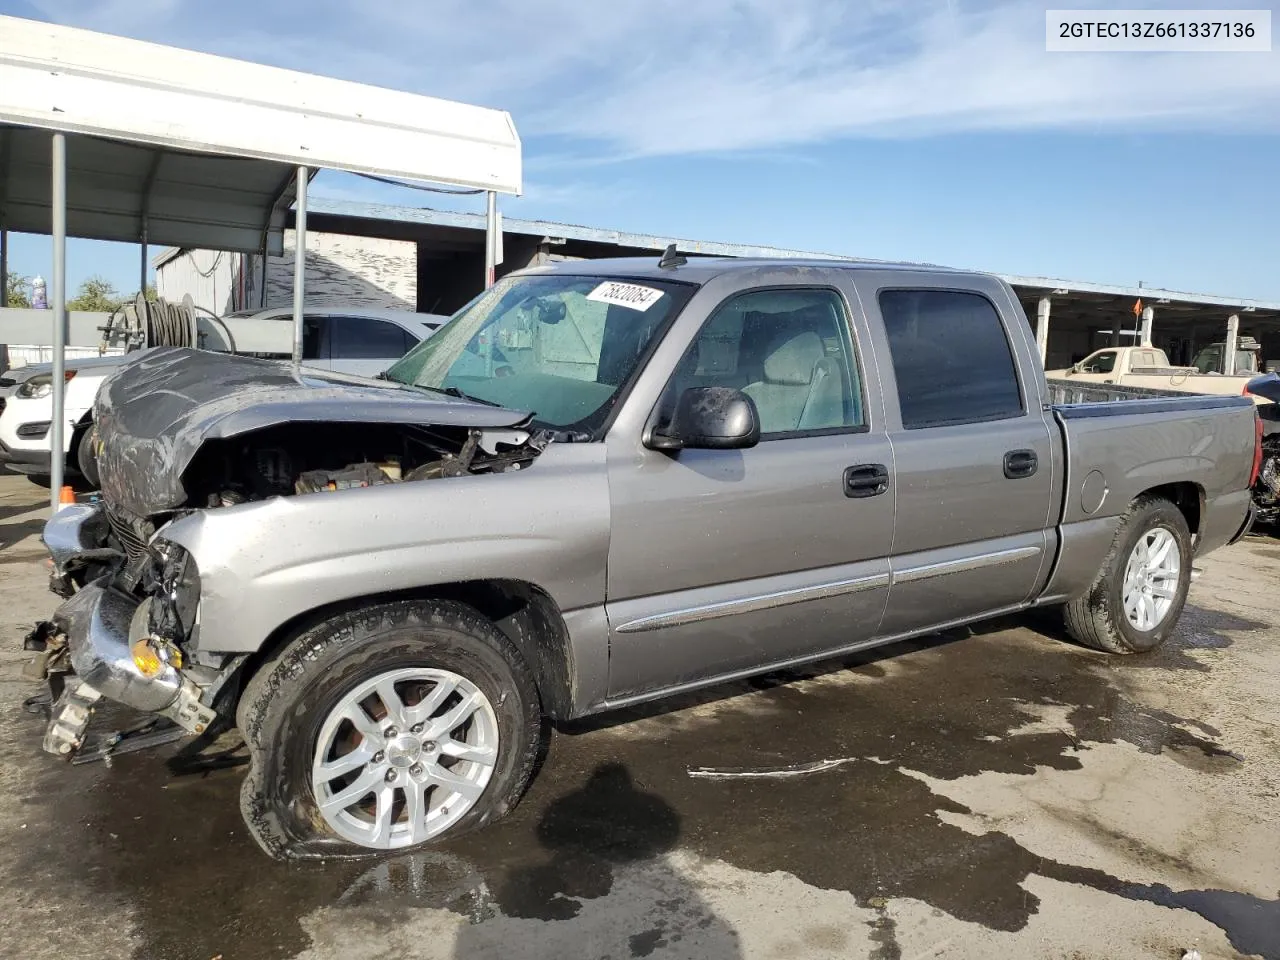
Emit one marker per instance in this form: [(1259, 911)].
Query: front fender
[(263, 564)]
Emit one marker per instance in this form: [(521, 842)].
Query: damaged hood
[(155, 413)]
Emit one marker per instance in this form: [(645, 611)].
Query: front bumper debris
[(69, 719), (75, 537), (100, 625)]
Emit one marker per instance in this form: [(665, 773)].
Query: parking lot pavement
[(988, 793)]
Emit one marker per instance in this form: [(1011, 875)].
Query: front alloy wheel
[(387, 727), (403, 756)]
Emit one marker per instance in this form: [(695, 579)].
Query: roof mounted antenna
[(671, 258)]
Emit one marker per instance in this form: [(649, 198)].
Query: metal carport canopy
[(200, 149), (115, 139)]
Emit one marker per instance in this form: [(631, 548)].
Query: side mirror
[(710, 418), (1074, 368)]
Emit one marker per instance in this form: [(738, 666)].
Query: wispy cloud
[(667, 77)]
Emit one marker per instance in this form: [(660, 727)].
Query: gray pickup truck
[(599, 484)]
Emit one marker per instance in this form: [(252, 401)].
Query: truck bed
[(1063, 391), (1118, 441)]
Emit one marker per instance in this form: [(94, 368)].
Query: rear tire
[(329, 698), (1135, 602)]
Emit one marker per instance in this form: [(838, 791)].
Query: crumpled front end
[(106, 640), (186, 434)]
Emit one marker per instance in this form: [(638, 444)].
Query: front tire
[(387, 728), (1135, 603), (87, 457)]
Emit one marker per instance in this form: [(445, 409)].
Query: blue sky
[(902, 129)]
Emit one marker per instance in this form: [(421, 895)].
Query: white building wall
[(209, 276)]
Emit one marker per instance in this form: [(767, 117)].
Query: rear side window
[(951, 358), (363, 338)]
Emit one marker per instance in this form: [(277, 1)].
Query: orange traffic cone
[(66, 495)]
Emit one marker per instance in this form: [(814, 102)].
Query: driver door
[(723, 562)]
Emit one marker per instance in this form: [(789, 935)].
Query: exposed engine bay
[(295, 459), (306, 458)]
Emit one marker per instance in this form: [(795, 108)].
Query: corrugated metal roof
[(542, 228), (1026, 286)]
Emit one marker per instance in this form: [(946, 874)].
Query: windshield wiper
[(455, 392)]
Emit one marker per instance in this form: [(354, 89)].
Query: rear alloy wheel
[(403, 756), (1135, 603), (1151, 578)]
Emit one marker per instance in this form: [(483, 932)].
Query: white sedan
[(346, 340)]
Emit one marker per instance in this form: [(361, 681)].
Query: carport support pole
[(58, 296), (1229, 348), (299, 265), (4, 267), (490, 238), (1148, 314), (1042, 327), (142, 265)]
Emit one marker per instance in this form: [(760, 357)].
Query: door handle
[(1020, 463), (866, 480)]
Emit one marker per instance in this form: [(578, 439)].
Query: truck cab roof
[(700, 270)]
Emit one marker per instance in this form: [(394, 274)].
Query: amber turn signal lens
[(146, 659)]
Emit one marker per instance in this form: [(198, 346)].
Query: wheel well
[(1188, 497), (78, 431), (522, 611)]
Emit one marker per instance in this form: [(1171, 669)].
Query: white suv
[(358, 340)]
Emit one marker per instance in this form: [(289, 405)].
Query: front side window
[(563, 347), (789, 350), (951, 358), (1104, 361)]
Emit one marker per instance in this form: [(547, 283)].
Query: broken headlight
[(175, 591)]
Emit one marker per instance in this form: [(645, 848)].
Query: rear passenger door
[(722, 561), (366, 346), (972, 451)]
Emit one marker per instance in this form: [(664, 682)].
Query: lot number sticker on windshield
[(625, 295)]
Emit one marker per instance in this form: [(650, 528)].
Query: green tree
[(96, 293), (16, 293)]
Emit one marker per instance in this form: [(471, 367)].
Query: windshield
[(1103, 362), (561, 347)]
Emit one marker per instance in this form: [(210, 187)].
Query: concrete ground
[(988, 793)]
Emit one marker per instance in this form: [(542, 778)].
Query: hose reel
[(151, 323)]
